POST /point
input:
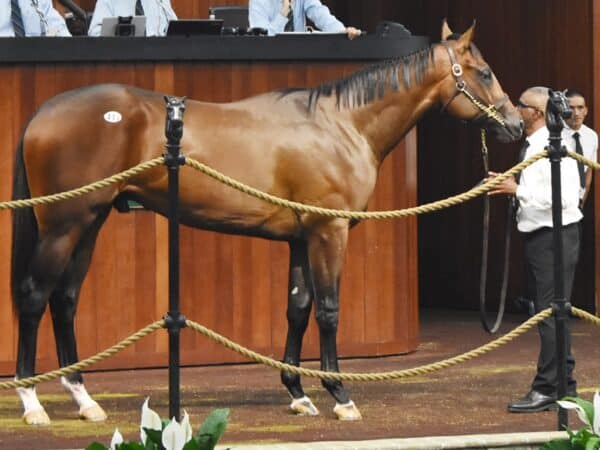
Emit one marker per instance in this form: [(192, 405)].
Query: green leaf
[(211, 430), (593, 443), (558, 444), (191, 445), (96, 446), (154, 436), (588, 407), (130, 446)]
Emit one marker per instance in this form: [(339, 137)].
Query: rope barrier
[(26, 382), (269, 362), (73, 193), (296, 206), (396, 374), (344, 214), (421, 370)]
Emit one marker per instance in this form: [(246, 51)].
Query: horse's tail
[(24, 226)]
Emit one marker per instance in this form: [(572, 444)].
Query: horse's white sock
[(79, 394), (29, 399)]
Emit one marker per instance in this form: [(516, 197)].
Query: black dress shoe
[(534, 401)]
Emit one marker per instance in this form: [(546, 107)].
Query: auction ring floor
[(468, 399)]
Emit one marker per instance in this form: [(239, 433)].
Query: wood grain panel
[(234, 285)]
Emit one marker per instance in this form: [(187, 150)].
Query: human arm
[(507, 187), (104, 8), (262, 15), (589, 172), (322, 17)]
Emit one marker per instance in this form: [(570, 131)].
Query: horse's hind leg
[(299, 305), (326, 248), (51, 256), (63, 306)]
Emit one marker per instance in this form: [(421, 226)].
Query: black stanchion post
[(556, 110), (174, 320)]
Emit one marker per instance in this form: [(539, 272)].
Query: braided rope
[(585, 316), (422, 370), (73, 193), (426, 208), (582, 159), (48, 376)]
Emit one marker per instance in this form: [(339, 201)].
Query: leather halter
[(491, 111)]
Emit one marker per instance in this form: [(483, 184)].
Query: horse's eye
[(486, 75)]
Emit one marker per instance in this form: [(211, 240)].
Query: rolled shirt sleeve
[(322, 17)]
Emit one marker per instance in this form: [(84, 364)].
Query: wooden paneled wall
[(234, 285)]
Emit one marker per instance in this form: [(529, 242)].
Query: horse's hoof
[(93, 413), (304, 407), (36, 417), (347, 411)]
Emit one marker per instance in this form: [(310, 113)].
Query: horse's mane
[(371, 83)]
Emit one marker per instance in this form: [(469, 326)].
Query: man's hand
[(353, 32), (508, 186), (286, 6)]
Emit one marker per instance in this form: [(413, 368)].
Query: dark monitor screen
[(195, 27)]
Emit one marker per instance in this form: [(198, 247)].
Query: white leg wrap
[(29, 399), (79, 394)]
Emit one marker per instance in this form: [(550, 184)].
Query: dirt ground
[(470, 398)]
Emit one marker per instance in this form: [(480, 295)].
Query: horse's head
[(470, 90)]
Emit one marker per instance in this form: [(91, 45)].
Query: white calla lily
[(150, 420), (596, 425), (566, 404), (117, 438), (187, 428), (173, 436)]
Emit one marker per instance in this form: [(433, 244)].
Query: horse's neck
[(385, 122)]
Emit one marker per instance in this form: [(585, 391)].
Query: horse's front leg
[(300, 293), (326, 248)]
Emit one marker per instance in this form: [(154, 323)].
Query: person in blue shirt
[(277, 16), (158, 14), (30, 18)]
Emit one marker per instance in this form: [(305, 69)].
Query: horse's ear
[(446, 31), (166, 99), (467, 37)]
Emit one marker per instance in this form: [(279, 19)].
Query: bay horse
[(321, 146)]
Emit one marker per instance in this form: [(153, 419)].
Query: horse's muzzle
[(510, 132)]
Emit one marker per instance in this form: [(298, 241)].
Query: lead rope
[(484, 252)]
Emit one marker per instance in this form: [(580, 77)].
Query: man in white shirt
[(534, 221), (277, 16), (575, 131), (158, 14), (20, 18)]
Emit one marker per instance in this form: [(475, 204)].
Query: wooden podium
[(233, 285)]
